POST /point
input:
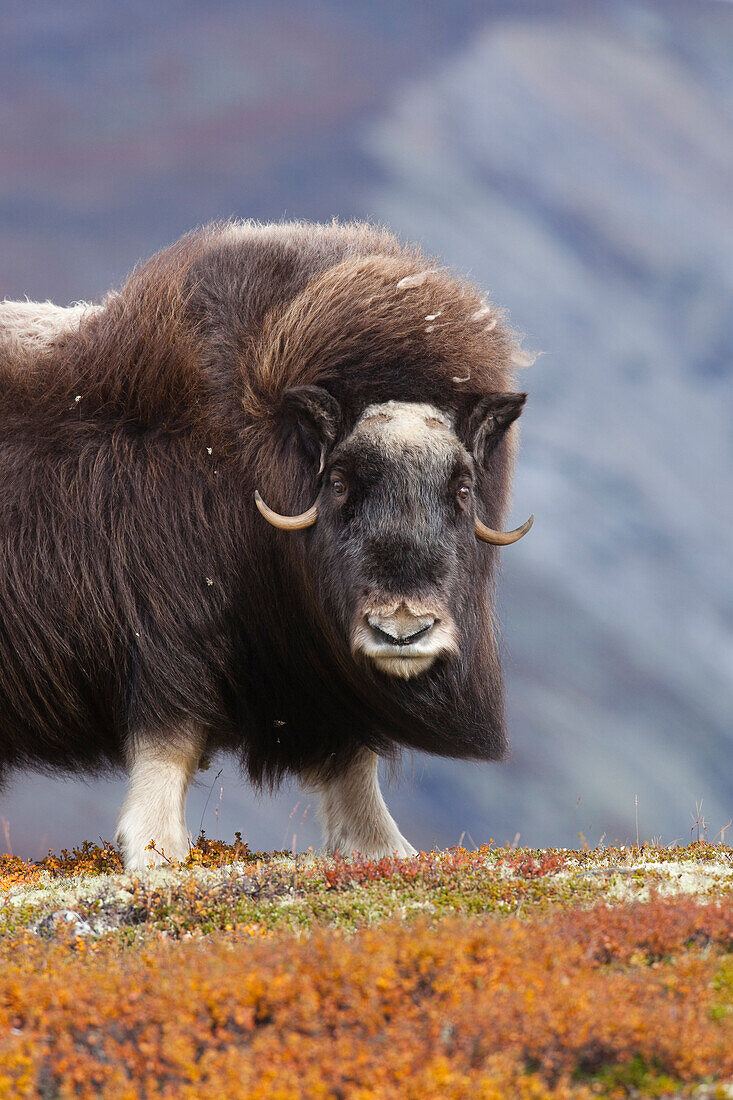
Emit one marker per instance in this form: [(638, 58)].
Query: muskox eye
[(338, 486), (464, 494)]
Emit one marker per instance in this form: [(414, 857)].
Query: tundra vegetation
[(492, 973)]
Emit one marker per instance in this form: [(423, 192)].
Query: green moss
[(723, 1004), (634, 1078)]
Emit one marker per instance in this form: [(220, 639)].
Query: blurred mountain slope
[(582, 170)]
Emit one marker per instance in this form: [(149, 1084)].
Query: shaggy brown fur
[(139, 587)]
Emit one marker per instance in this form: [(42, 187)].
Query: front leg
[(353, 812), (155, 808)]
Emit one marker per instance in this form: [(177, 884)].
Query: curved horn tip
[(502, 538), (286, 523)]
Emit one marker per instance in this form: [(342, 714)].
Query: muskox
[(251, 502)]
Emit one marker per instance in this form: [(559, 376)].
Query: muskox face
[(394, 528)]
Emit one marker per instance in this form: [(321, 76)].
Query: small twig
[(6, 830), (698, 819), (206, 804), (217, 811), (292, 814), (636, 808), (151, 848), (295, 864)]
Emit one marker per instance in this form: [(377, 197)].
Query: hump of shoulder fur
[(348, 306), (245, 269), (244, 273), (330, 242), (376, 323), (33, 326)]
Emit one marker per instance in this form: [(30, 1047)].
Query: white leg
[(155, 807), (353, 812)]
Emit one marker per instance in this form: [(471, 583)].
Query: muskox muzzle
[(405, 637)]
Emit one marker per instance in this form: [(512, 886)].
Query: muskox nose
[(401, 629)]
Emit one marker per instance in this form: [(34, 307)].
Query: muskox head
[(395, 528)]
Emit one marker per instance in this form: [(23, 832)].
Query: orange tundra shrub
[(479, 1008), (104, 858)]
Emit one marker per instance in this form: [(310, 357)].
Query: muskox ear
[(318, 418), (490, 419)]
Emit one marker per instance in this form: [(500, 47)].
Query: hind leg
[(155, 807), (354, 814)]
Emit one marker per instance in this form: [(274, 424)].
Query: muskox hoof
[(140, 858), (137, 855), (389, 848)]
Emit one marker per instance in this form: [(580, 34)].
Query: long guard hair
[(139, 587)]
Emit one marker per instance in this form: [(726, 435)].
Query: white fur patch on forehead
[(34, 325), (406, 423)]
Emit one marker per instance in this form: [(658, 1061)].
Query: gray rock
[(63, 919)]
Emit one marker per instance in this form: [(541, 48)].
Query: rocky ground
[(492, 973)]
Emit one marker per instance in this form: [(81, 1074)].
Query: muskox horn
[(502, 538), (287, 523)]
